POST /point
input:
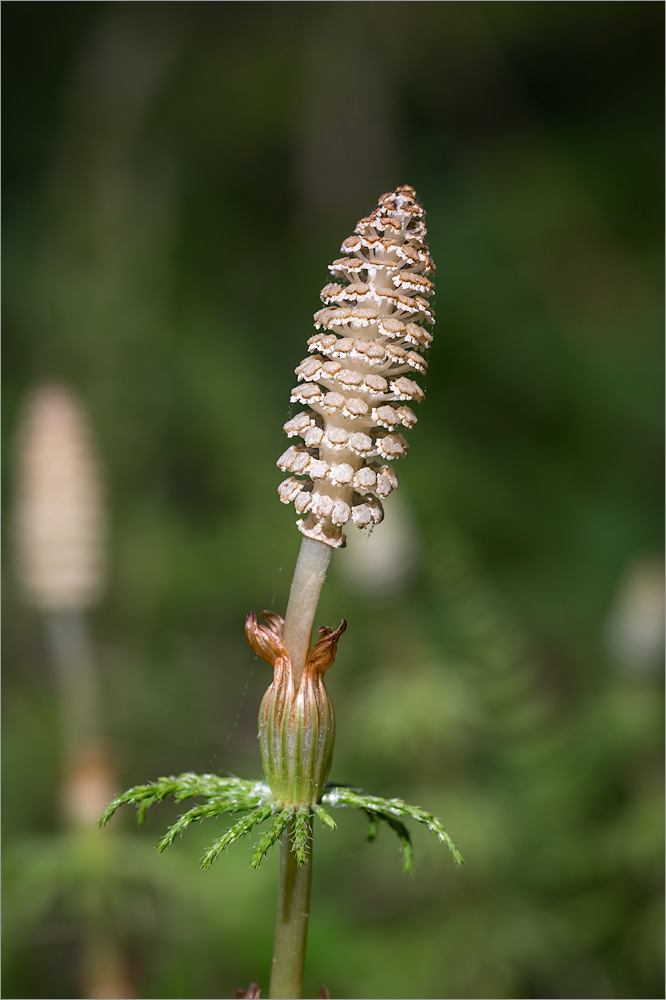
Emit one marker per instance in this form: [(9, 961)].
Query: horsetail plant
[(356, 386), (59, 535)]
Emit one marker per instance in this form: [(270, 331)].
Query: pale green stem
[(291, 926), (309, 576)]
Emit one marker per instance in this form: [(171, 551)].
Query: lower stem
[(291, 926)]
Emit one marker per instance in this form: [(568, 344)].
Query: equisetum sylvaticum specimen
[(59, 529), (357, 386)]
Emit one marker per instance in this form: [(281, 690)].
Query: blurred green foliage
[(177, 178)]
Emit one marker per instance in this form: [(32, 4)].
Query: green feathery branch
[(228, 796)]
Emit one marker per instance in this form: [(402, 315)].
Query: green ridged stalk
[(291, 923)]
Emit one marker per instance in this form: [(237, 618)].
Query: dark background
[(177, 177)]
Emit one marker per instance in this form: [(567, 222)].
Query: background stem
[(291, 927), (87, 785), (71, 648)]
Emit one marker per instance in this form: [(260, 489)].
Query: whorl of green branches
[(234, 795)]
